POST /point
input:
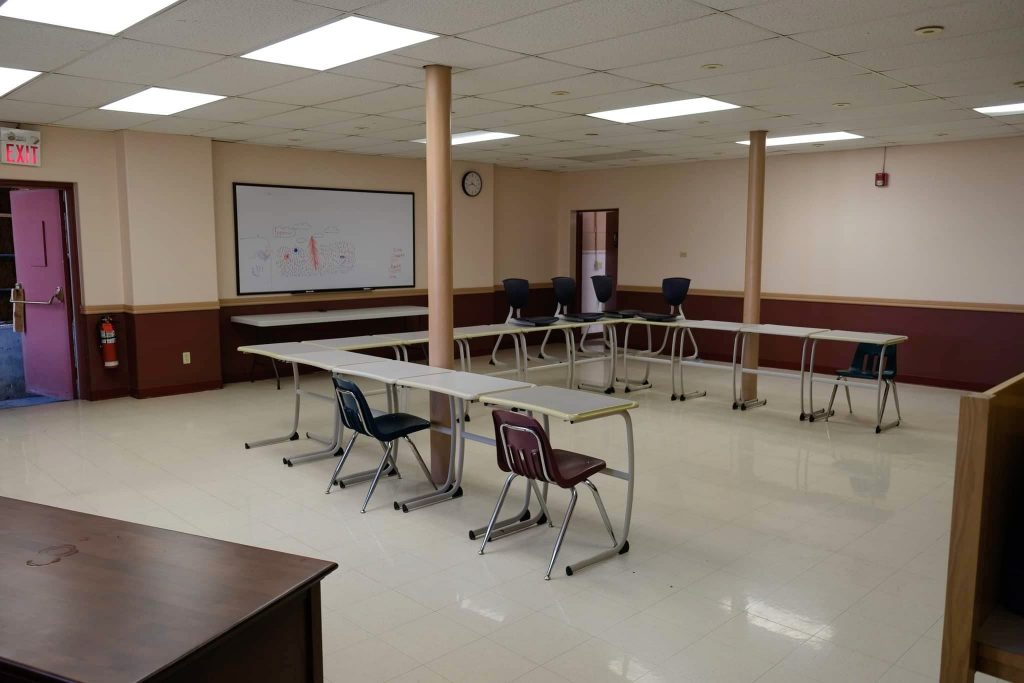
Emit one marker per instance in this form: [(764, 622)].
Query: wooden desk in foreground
[(98, 600)]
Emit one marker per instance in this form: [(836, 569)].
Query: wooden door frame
[(73, 300)]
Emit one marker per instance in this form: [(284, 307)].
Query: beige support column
[(439, 251), (752, 268)]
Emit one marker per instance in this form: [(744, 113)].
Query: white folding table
[(331, 316), (740, 344), (301, 353), (879, 339), (461, 388), (573, 406)]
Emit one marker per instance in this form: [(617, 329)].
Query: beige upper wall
[(948, 227), (168, 209), (472, 217), (88, 159), (525, 224)]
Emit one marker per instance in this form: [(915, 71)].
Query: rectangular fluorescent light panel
[(475, 136), (12, 78), (348, 40), (800, 139), (664, 110), (1002, 109), (161, 101), (110, 16)]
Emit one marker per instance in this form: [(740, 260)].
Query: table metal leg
[(812, 413), (743, 403), (293, 435), (608, 386), (452, 487), (645, 383), (622, 546), (683, 394)]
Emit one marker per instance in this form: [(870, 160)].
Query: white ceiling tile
[(241, 131), (405, 148), (971, 124), (453, 16), (796, 16), (849, 89), (179, 126), (381, 70), (497, 119), (944, 50), (317, 89), (884, 114), (457, 53), (334, 144), (988, 99), (293, 138), (393, 99), (574, 88), (73, 91), (563, 128), (236, 76), (585, 21), (12, 111), (713, 118), (101, 119), (363, 125), (522, 72), (992, 69), (355, 142), (27, 45), (651, 94), (307, 117), (136, 62), (760, 55), (934, 138), (236, 110), (965, 19), (774, 77), (343, 5), (230, 27), (712, 32), (726, 5)]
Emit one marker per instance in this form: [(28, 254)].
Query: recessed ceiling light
[(475, 136), (348, 40), (560, 93), (840, 105), (12, 78), (929, 30), (1002, 109), (111, 16), (161, 101), (799, 139), (711, 67), (664, 110)]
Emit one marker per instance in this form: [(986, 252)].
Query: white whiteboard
[(301, 239)]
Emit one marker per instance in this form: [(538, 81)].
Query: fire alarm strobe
[(881, 179)]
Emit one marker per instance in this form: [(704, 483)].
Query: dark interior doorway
[(597, 253)]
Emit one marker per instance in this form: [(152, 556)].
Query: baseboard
[(154, 392)]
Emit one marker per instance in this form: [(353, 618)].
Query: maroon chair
[(524, 451)]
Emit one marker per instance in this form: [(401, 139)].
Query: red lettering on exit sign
[(21, 154)]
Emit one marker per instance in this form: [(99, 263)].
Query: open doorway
[(597, 253), (37, 296)]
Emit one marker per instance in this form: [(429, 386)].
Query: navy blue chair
[(517, 292), (385, 428), (866, 361)]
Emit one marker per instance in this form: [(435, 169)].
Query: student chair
[(524, 451), (517, 292), (866, 361), (565, 296), (604, 290), (385, 428)]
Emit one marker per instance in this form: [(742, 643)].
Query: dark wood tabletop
[(88, 598)]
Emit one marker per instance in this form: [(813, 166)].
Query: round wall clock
[(472, 183)]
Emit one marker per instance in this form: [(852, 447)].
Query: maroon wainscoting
[(955, 348), (159, 341)]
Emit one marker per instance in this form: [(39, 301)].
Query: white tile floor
[(763, 548)]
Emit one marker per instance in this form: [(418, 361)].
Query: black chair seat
[(536, 321), (584, 317), (396, 425)]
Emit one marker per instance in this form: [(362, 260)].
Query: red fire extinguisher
[(108, 342)]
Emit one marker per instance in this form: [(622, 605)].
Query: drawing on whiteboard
[(395, 269), (300, 250)]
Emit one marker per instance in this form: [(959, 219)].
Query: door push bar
[(58, 295)]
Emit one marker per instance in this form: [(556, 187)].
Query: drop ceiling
[(536, 67)]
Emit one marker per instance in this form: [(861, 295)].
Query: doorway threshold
[(23, 401)]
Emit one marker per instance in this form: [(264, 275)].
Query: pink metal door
[(39, 264)]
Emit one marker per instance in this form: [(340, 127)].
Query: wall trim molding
[(854, 300), (152, 308)]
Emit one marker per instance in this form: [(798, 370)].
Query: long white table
[(769, 330), (882, 340), (330, 316)]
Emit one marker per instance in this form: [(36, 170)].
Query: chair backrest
[(868, 356), (517, 291), (604, 287), (674, 290), (355, 411), (523, 447), (565, 291)]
